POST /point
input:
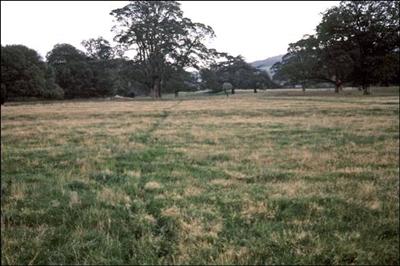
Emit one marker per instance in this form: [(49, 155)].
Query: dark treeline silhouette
[(356, 43), (165, 44), (236, 72)]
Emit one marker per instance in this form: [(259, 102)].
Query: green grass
[(249, 179)]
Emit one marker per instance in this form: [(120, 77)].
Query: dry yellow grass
[(233, 180), (152, 185)]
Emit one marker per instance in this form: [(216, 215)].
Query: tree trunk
[(255, 90), (156, 88), (160, 83), (155, 92), (303, 88), (365, 89), (338, 86), (233, 91)]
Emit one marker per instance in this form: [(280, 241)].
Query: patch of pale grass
[(112, 197), (237, 175), (309, 160), (191, 191), (133, 173), (171, 212), (295, 189), (74, 199), (150, 218), (367, 190), (173, 195), (222, 182), (352, 170), (18, 191), (252, 208), (192, 229), (152, 185)]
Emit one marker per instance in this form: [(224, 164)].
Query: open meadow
[(246, 179)]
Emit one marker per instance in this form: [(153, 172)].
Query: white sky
[(256, 30)]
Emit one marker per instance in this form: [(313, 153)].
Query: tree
[(357, 42), (161, 38), (315, 59), (99, 49), (73, 72), (368, 32), (209, 80), (235, 71), (100, 59), (3, 94), (25, 74), (53, 90)]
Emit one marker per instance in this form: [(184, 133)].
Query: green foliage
[(3, 93), (356, 42), (98, 48), (162, 38), (368, 31), (235, 71), (73, 72), (24, 74), (209, 80)]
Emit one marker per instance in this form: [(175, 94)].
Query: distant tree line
[(356, 43), (236, 72), (165, 45)]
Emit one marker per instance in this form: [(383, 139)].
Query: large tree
[(369, 32), (73, 72), (162, 38), (314, 59), (356, 42), (299, 64), (25, 74)]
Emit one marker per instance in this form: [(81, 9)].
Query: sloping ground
[(246, 179)]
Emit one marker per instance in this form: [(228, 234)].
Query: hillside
[(266, 64)]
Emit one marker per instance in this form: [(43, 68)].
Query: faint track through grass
[(253, 179)]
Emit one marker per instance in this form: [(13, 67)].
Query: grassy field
[(252, 178)]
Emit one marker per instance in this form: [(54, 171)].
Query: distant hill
[(266, 64)]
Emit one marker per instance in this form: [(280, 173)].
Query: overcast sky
[(256, 30)]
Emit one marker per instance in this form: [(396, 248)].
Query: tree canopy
[(73, 72), (237, 72), (162, 38), (25, 74), (356, 42)]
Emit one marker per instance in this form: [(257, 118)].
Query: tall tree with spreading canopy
[(161, 37), (369, 32), (356, 42)]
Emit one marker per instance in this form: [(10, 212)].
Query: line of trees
[(236, 72), (356, 43), (165, 44)]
